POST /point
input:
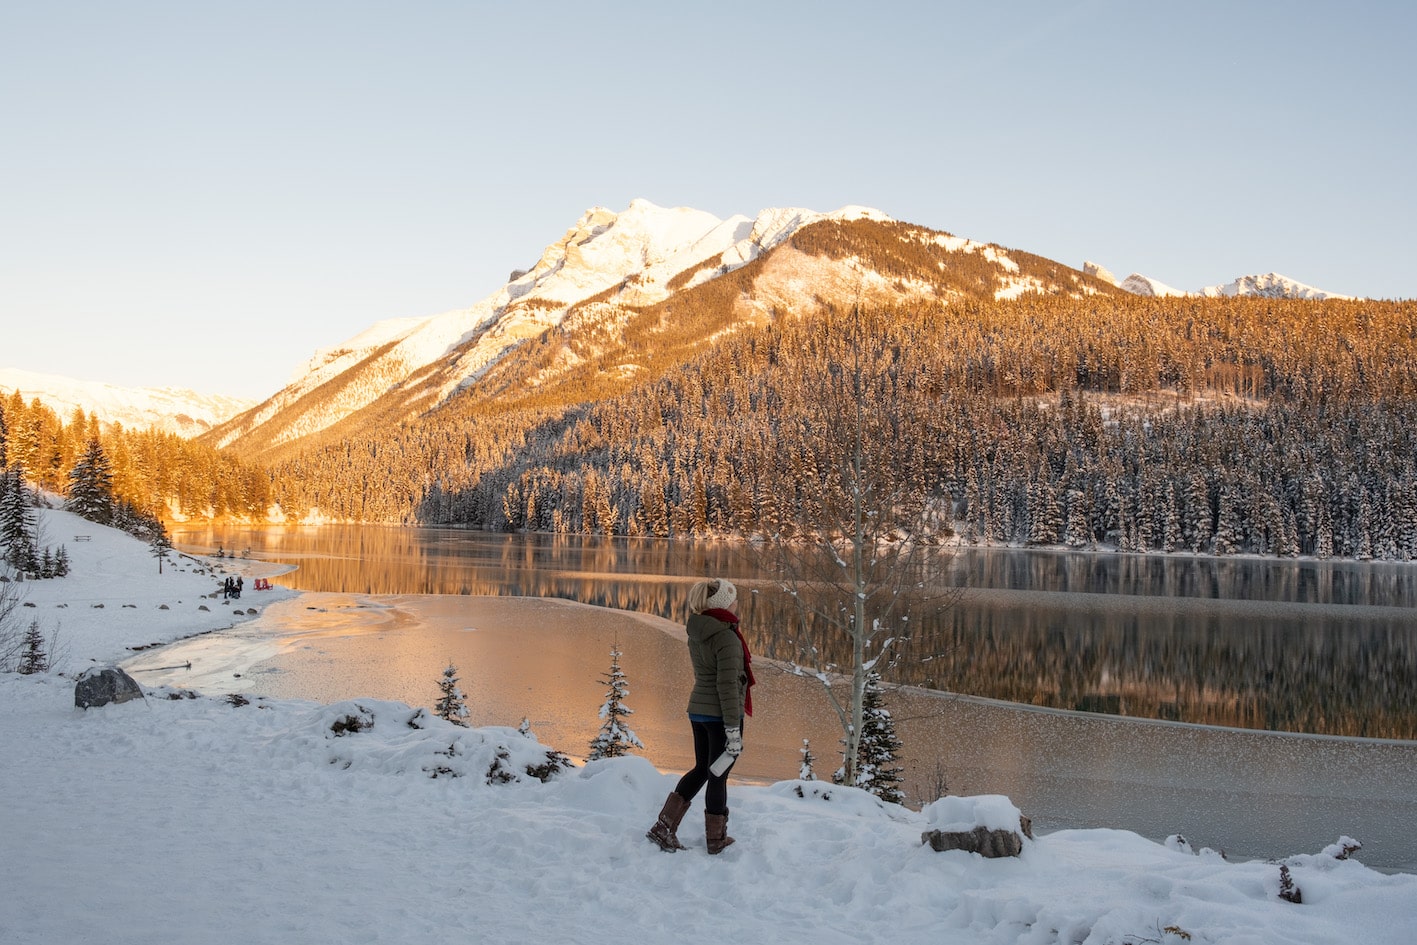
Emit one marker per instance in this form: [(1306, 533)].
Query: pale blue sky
[(199, 194)]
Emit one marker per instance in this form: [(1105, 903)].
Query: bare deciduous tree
[(857, 549), (12, 640)]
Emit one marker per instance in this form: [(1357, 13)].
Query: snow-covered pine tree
[(1227, 526), (33, 658), (1172, 533), (877, 770), (1045, 519), (805, 773), (91, 485), (614, 738), (1075, 534), (17, 529), (1198, 527), (161, 546), (450, 701)]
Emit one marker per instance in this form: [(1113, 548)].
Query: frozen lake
[(390, 610)]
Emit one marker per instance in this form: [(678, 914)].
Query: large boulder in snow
[(101, 686), (989, 825)]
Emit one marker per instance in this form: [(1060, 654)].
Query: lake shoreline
[(539, 659)]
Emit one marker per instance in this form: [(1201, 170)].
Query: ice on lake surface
[(1251, 794)]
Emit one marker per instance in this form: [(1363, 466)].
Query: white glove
[(735, 742)]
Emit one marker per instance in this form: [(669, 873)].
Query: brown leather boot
[(666, 828), (716, 831)]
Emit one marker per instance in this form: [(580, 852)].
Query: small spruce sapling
[(450, 703), (614, 738), (808, 759), (877, 768), (161, 547), (33, 658)]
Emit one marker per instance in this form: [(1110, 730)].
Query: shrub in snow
[(1288, 890), (843, 800), (554, 764), (507, 769), (439, 770), (360, 721), (1343, 849), (396, 739), (1178, 843)]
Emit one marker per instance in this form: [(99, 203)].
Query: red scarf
[(730, 618)]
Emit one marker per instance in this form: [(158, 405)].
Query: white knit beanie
[(723, 598)]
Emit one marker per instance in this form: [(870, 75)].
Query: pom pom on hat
[(723, 598)]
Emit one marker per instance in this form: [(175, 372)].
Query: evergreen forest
[(146, 475), (1215, 426)]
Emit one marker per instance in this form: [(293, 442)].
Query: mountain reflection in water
[(1301, 646)]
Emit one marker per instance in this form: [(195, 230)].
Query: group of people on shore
[(231, 587)]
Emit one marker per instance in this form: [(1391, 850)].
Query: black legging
[(709, 741)]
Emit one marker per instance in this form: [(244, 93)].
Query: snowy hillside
[(184, 412)]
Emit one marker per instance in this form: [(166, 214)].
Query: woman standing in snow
[(722, 696)]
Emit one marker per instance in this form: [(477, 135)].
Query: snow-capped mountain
[(1270, 285), (1138, 284), (609, 267), (173, 410)]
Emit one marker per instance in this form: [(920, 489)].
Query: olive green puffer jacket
[(719, 680)]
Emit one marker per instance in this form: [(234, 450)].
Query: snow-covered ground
[(199, 820)]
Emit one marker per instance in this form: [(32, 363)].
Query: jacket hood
[(701, 626)]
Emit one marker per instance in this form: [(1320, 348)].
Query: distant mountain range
[(172, 410), (596, 301), (1271, 285)]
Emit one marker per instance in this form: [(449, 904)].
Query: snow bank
[(200, 819)]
